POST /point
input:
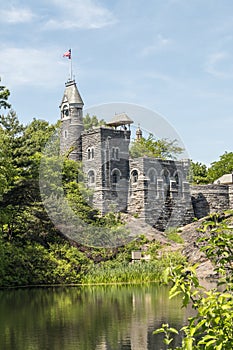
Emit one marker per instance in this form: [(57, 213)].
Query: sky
[(172, 57)]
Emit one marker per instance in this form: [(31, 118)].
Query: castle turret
[(71, 121), (138, 133)]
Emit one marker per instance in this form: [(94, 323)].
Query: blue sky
[(170, 56)]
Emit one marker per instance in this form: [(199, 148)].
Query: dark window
[(177, 179), (117, 153), (89, 153), (166, 177), (113, 153), (134, 175), (91, 177), (115, 176), (65, 111)]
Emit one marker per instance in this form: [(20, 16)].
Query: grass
[(173, 235), (137, 272)]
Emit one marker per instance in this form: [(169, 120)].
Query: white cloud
[(31, 67), (14, 15), (219, 65), (80, 14), (161, 43)]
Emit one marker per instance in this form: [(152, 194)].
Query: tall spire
[(71, 95)]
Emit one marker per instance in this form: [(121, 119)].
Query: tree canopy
[(90, 122), (156, 148), (4, 94), (223, 166), (199, 173)]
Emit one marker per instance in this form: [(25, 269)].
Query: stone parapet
[(207, 199)]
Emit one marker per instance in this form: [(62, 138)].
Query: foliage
[(4, 94), (223, 166), (151, 147), (90, 122), (7, 169), (173, 235), (211, 327), (199, 173), (167, 333), (25, 264)]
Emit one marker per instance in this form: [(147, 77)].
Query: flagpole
[(68, 55), (71, 68)]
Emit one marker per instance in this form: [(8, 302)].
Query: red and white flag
[(67, 54)]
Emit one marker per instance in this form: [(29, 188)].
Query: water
[(87, 318)]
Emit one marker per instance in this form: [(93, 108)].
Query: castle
[(156, 190)]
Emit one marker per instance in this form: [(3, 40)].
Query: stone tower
[(105, 158), (71, 121)]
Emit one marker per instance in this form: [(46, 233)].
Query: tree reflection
[(100, 317)]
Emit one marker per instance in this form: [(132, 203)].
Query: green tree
[(4, 94), (151, 147), (7, 170), (13, 130), (223, 166), (11, 125), (198, 173), (90, 122), (32, 141)]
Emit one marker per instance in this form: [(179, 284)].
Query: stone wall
[(159, 192), (207, 199), (230, 191)]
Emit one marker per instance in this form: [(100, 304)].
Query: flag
[(67, 54)]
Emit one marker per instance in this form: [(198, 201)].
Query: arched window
[(91, 177), (116, 175), (152, 176), (166, 176), (65, 111), (90, 153), (177, 179), (117, 153), (65, 134), (134, 176)]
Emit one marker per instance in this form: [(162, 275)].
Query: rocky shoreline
[(190, 248)]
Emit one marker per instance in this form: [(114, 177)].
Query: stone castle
[(156, 190)]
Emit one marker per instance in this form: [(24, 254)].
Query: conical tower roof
[(71, 94)]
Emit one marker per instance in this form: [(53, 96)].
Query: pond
[(119, 317)]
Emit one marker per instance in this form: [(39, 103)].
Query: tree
[(4, 94), (7, 170), (90, 122), (151, 147), (221, 167), (199, 173)]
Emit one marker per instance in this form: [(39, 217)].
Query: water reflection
[(90, 318)]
